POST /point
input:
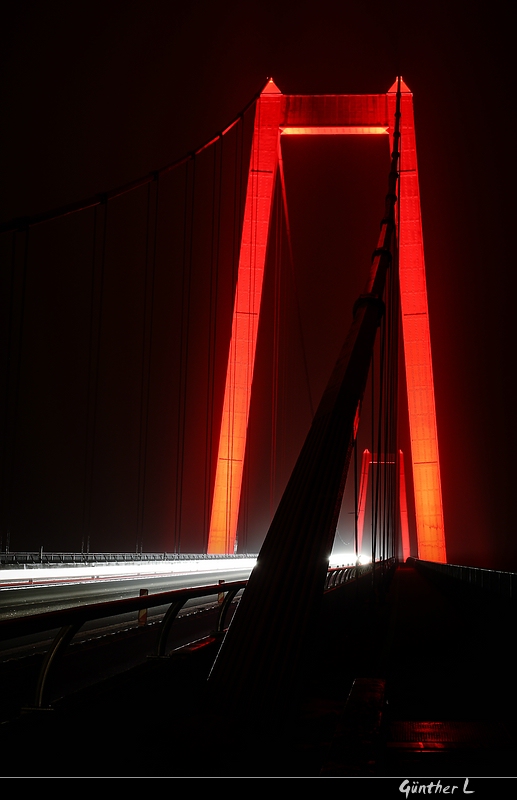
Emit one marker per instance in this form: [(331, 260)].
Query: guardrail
[(337, 576), (495, 582), (68, 622), (39, 558)]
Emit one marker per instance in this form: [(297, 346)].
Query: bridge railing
[(68, 622), (494, 582), (337, 576), (41, 558)]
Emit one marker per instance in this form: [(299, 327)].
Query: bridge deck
[(433, 695)]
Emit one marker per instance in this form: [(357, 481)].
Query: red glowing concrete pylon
[(248, 293), (367, 461), (329, 114), (417, 342)]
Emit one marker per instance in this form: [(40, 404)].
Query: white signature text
[(433, 787)]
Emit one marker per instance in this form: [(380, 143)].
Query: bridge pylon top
[(271, 88), (404, 88)]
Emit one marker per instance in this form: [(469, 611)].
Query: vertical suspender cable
[(89, 403), (371, 434), (212, 325), (11, 437), (95, 357), (142, 376), (7, 437), (391, 445), (188, 223), (380, 411), (356, 510), (295, 283), (276, 355), (147, 346)]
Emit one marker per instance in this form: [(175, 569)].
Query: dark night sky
[(97, 94)]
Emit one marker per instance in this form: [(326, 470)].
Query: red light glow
[(351, 129)]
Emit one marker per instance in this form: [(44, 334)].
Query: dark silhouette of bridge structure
[(145, 346)]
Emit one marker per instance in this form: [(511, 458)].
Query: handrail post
[(225, 605), (166, 625), (63, 638)]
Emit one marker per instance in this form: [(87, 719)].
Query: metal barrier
[(39, 558), (494, 582), (69, 621), (337, 576)]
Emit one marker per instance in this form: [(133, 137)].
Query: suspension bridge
[(140, 325)]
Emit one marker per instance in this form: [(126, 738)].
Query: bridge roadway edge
[(423, 653)]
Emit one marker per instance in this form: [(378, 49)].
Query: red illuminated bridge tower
[(279, 115)]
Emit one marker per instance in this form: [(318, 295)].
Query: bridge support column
[(417, 343), (237, 395)]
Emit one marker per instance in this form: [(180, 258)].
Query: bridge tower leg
[(248, 293), (417, 343)]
